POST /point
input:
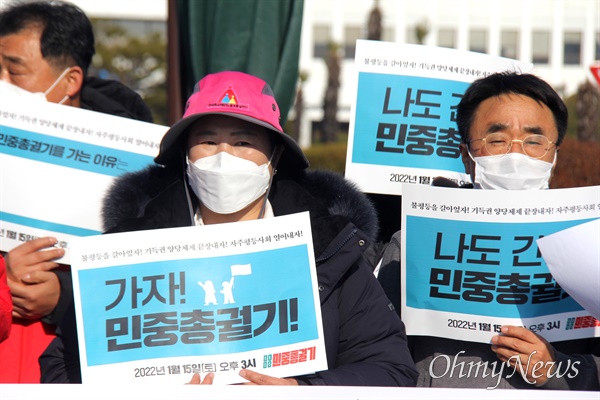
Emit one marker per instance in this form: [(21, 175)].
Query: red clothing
[(19, 353), (5, 303)]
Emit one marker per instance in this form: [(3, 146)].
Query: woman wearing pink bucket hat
[(229, 160)]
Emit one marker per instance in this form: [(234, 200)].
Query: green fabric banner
[(259, 37)]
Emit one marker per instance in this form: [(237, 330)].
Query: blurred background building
[(561, 37)]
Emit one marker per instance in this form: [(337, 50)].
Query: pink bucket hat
[(237, 95)]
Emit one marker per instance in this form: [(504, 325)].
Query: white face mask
[(513, 171), (226, 184), (6, 87)]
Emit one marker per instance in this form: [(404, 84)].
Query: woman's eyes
[(240, 143)]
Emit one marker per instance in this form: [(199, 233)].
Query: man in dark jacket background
[(46, 48), (229, 160)]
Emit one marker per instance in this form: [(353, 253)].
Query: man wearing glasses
[(511, 126)]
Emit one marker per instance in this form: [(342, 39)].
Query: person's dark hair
[(510, 83), (67, 37)]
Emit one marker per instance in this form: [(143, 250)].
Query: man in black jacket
[(229, 160), (511, 126), (46, 48)]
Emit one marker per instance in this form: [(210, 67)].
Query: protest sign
[(56, 163), (470, 262), (403, 119), (157, 306)]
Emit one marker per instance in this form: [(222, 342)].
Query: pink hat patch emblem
[(229, 97), (230, 100)]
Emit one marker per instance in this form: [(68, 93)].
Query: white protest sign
[(573, 257), (403, 118), (156, 306), (56, 163), (470, 262)]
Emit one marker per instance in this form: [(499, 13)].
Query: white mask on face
[(226, 184), (7, 88), (513, 171)]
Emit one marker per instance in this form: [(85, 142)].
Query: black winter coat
[(364, 338)]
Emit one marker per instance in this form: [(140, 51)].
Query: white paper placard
[(403, 118), (470, 262), (156, 306), (56, 163)]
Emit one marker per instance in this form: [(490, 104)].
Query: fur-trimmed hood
[(159, 194)]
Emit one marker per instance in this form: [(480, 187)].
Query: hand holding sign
[(529, 353), (35, 290)]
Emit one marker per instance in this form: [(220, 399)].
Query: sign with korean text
[(56, 163), (157, 306), (403, 119), (471, 263)]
